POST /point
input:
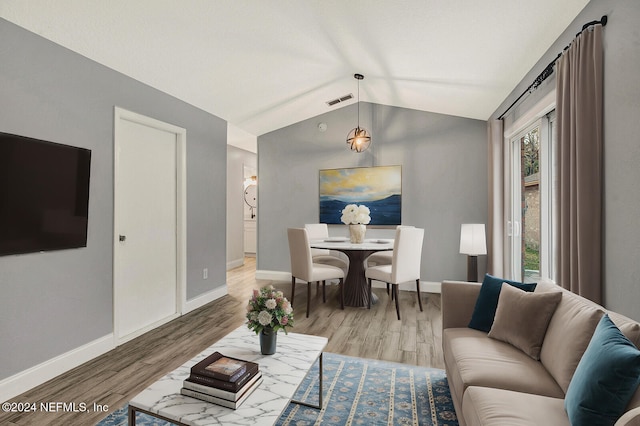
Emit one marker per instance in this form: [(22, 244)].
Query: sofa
[(498, 380)]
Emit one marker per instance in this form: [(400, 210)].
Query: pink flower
[(284, 320)]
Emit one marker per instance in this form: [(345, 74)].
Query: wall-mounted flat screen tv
[(44, 195)]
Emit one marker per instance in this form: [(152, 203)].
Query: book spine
[(229, 395), (221, 401), (223, 384), (208, 381), (208, 398)]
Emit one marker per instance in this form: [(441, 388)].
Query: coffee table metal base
[(320, 392)]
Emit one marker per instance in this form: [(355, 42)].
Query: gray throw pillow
[(522, 318)]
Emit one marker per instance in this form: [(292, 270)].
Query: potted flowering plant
[(357, 217), (267, 312)]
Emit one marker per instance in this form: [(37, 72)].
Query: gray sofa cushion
[(568, 335), (498, 407), (479, 361)]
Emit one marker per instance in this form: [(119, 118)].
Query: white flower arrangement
[(353, 214), (269, 308)]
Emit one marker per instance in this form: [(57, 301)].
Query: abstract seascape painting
[(379, 188)]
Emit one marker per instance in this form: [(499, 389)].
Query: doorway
[(149, 223)]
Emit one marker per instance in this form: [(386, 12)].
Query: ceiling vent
[(340, 99)]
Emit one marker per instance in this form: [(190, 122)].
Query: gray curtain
[(579, 124), (495, 227)]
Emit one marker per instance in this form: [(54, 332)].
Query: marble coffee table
[(282, 373)]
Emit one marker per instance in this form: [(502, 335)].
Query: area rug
[(357, 391)]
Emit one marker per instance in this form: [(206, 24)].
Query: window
[(532, 180)]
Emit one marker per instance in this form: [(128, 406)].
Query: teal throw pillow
[(487, 302), (606, 378)]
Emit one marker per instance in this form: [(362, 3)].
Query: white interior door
[(146, 247)]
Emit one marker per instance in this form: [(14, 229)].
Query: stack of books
[(222, 380)]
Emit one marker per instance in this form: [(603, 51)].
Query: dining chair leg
[(387, 289), (308, 298), (395, 291), (324, 292), (293, 288), (369, 285), (341, 293), (418, 290)]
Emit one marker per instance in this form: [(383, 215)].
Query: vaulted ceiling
[(265, 64)]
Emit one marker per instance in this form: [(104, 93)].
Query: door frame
[(121, 114)]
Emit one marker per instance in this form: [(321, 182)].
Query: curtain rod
[(549, 68)]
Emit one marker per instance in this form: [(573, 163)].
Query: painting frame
[(377, 187)]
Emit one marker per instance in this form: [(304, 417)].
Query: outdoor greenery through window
[(530, 198), (532, 182)]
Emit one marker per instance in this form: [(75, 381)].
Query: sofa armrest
[(458, 302), (630, 418)]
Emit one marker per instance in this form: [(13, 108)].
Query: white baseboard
[(235, 263), (273, 275), (139, 332), (34, 376), (205, 298), (425, 286)]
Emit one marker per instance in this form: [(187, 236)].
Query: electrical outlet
[(205, 273)]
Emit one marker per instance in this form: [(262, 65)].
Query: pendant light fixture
[(359, 139)]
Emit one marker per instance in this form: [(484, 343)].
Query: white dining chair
[(405, 264), (380, 258), (383, 257), (303, 268), (319, 231)]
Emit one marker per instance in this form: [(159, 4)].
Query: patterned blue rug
[(357, 391)]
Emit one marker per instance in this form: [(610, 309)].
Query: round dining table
[(356, 289)]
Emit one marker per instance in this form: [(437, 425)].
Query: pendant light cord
[(358, 104)]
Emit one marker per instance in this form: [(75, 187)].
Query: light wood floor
[(115, 377)]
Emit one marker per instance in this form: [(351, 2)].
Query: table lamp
[(472, 243)]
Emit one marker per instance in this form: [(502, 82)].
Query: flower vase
[(356, 233), (268, 338)]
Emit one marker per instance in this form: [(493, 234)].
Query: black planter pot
[(268, 339)]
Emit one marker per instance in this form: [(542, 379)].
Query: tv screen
[(44, 195)]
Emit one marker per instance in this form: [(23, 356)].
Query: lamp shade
[(472, 239)]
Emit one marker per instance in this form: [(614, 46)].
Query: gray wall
[(444, 178), (621, 143), (54, 302)]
